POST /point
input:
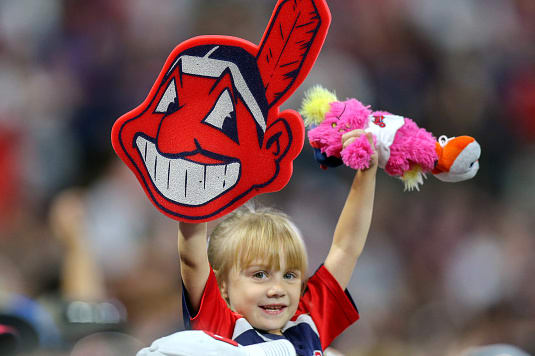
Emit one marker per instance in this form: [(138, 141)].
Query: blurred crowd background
[(92, 267)]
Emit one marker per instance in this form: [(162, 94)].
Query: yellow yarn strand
[(413, 178), (316, 104)]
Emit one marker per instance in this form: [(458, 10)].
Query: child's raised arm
[(354, 221), (194, 265)]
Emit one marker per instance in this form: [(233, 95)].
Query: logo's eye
[(223, 116), (169, 101)]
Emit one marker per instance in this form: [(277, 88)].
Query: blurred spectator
[(11, 172), (28, 323), (495, 350)]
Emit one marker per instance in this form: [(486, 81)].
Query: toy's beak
[(458, 159)]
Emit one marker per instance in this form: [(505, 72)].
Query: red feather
[(290, 45)]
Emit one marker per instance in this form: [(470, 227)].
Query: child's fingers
[(352, 133), (369, 136), (350, 136), (348, 141)]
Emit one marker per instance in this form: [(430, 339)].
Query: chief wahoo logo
[(210, 136)]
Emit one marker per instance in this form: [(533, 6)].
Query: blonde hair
[(249, 234)]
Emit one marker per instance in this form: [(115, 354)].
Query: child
[(250, 283)]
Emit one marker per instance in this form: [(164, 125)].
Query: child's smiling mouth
[(273, 309)]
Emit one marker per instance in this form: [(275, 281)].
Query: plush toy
[(405, 150)]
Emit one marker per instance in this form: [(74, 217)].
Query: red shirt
[(324, 311)]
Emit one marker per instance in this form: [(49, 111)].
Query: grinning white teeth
[(183, 181), (271, 307)]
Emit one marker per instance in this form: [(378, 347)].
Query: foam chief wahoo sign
[(210, 135)]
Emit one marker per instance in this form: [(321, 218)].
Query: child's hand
[(349, 137)]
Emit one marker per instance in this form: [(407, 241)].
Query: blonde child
[(250, 284)]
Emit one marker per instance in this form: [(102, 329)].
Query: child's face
[(267, 298)]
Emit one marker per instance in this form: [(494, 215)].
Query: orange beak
[(450, 151)]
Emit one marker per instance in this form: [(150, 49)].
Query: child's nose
[(276, 291)]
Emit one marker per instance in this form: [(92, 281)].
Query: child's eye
[(290, 275), (260, 275)]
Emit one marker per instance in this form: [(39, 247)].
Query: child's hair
[(249, 234)]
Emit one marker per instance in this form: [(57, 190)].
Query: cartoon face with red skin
[(210, 135)]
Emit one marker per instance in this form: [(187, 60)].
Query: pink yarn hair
[(411, 143), (343, 117)]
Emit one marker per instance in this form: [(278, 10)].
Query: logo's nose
[(177, 134)]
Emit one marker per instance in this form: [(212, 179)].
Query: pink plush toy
[(405, 150)]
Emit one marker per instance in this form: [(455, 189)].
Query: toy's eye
[(223, 116), (333, 125), (169, 101)]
